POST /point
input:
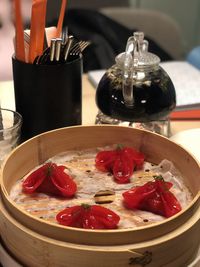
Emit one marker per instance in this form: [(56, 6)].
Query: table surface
[(89, 111), (89, 108)]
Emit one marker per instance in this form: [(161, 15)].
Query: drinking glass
[(10, 130)]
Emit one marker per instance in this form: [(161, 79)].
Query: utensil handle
[(19, 32), (58, 48), (52, 49), (60, 20), (68, 47), (38, 18)]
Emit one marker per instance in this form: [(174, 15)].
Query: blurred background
[(186, 14), (173, 24)]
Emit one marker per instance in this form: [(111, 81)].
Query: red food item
[(105, 159), (121, 162), (136, 156), (153, 196), (88, 217), (50, 179), (123, 169)]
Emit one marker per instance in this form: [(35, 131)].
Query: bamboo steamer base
[(156, 148), (175, 249), (171, 243)]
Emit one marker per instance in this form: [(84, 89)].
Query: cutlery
[(64, 35), (58, 48), (67, 47), (52, 49), (79, 47), (45, 40), (60, 20), (38, 17), (19, 32)]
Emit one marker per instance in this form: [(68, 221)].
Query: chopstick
[(61, 18), (38, 18), (19, 32)]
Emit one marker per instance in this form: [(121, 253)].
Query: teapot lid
[(137, 52)]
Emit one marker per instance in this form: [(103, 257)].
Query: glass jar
[(136, 89)]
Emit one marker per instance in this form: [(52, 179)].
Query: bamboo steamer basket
[(160, 238), (175, 249)]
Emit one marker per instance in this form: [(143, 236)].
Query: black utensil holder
[(48, 96)]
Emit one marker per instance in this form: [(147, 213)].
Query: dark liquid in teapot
[(154, 97)]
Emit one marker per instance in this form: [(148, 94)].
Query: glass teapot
[(136, 88)]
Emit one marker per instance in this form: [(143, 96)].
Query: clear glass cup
[(10, 132)]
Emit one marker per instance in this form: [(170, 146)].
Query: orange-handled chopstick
[(61, 18), (38, 17), (19, 32)]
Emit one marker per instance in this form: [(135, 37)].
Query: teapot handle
[(135, 44)]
